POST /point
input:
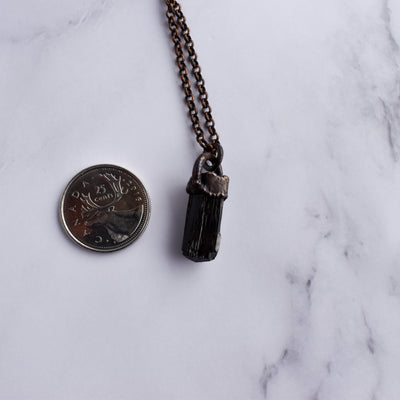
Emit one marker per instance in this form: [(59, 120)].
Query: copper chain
[(179, 29)]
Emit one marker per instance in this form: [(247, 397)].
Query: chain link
[(179, 29)]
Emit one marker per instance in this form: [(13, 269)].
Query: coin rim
[(130, 240)]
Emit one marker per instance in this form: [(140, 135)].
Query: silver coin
[(105, 208)]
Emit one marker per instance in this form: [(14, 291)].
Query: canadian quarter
[(105, 208)]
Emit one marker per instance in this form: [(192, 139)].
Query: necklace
[(105, 207), (207, 190)]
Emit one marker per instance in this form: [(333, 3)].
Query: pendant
[(207, 193)]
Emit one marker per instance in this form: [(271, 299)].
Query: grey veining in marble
[(303, 300)]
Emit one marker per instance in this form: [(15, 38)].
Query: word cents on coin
[(105, 208)]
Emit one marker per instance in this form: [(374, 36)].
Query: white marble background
[(303, 301)]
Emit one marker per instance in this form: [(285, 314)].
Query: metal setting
[(213, 182)]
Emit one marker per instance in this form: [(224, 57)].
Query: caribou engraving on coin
[(105, 208)]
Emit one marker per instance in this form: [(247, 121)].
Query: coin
[(105, 208)]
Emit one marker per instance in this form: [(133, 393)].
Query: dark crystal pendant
[(207, 193)]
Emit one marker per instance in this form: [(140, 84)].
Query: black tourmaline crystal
[(207, 193), (203, 220)]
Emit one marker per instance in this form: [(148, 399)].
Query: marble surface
[(303, 301)]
